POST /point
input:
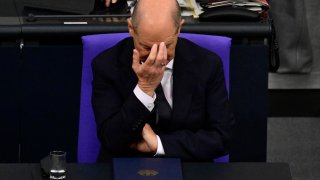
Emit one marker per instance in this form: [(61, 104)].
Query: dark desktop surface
[(191, 171)]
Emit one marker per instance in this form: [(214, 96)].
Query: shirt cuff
[(144, 98), (160, 150)]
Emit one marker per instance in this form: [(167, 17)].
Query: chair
[(88, 143)]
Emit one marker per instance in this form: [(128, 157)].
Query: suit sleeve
[(120, 119), (213, 139)]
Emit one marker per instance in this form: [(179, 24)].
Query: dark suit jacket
[(201, 122)]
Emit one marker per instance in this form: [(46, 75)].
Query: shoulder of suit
[(112, 54), (186, 43), (120, 46), (195, 50)]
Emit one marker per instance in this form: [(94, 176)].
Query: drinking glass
[(58, 165)]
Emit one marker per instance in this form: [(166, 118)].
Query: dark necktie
[(163, 109)]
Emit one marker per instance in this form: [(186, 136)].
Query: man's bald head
[(153, 22), (158, 11)]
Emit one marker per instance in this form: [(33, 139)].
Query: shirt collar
[(170, 64)]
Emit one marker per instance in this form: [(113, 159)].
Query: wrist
[(148, 90)]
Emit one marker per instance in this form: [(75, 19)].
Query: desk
[(191, 171)]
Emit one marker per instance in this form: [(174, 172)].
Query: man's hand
[(151, 71), (108, 2), (149, 144)]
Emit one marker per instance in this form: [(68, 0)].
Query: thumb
[(146, 130), (135, 59)]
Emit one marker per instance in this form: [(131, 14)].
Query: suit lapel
[(128, 77), (183, 81), (184, 73)]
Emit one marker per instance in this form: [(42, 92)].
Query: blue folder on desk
[(147, 168)]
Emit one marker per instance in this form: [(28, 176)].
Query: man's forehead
[(156, 32), (156, 40)]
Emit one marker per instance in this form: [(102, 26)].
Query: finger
[(142, 147), (159, 60), (114, 1), (135, 59), (150, 138), (133, 146), (165, 54), (152, 55), (147, 131), (165, 57), (147, 126), (107, 3)]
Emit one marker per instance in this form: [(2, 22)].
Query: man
[(130, 114), (109, 2), (110, 7)]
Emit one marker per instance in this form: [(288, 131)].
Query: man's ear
[(181, 23), (130, 27)]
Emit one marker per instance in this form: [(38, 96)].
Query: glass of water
[(58, 165)]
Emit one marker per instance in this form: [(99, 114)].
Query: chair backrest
[(88, 143)]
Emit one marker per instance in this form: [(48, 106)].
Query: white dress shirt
[(148, 101)]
